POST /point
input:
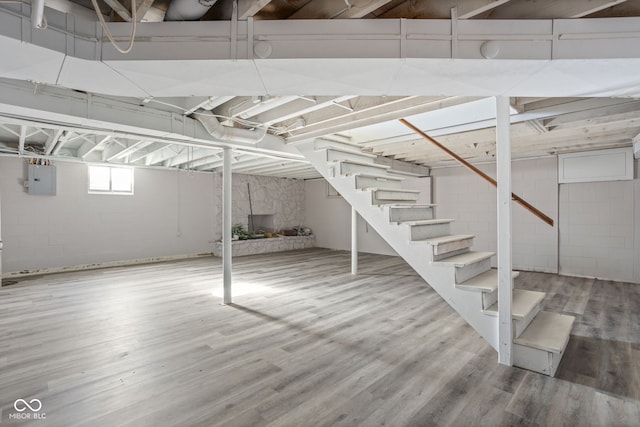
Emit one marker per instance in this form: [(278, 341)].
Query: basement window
[(110, 180)]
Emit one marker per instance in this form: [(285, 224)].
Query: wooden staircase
[(463, 277)]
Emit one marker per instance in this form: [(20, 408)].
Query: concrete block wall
[(599, 226), (171, 213), (465, 197)]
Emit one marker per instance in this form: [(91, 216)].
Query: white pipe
[(354, 241), (226, 133), (505, 280), (37, 14), (226, 225), (188, 10)]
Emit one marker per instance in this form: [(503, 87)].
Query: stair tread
[(466, 258), (396, 190), (548, 331), (485, 282), (374, 175), (337, 143), (522, 303), (350, 151), (411, 206), (373, 165), (428, 222)]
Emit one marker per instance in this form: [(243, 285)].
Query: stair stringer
[(440, 277)]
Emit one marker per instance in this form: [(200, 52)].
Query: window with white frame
[(110, 180)]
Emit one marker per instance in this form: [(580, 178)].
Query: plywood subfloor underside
[(305, 344)]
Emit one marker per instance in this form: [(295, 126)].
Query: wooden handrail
[(472, 168)]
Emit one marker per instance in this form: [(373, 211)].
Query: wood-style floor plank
[(304, 344)]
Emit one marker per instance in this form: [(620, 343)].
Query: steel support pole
[(226, 224), (354, 241)]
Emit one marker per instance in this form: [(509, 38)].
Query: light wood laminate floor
[(304, 344)]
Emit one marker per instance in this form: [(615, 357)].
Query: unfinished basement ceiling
[(542, 126)]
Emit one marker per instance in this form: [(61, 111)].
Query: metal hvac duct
[(188, 10)]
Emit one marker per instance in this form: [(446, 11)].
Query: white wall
[(465, 197), (330, 218), (599, 229), (171, 213)]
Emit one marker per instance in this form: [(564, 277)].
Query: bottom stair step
[(541, 346), (548, 331)]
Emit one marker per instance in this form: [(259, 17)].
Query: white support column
[(503, 148), (1, 244), (354, 241), (226, 224)]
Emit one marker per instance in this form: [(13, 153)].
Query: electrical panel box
[(42, 180)]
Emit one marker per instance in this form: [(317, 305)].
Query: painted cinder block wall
[(170, 213), (471, 202)]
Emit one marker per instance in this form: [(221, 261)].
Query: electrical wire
[(108, 32)]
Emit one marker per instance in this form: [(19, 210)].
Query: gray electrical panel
[(42, 180)]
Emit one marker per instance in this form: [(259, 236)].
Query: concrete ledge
[(263, 246)]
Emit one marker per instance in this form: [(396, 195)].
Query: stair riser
[(520, 325), (471, 270), (369, 182), (337, 156), (395, 195), (533, 359), (488, 299), (440, 257), (421, 232), (350, 168), (413, 214), (448, 248)]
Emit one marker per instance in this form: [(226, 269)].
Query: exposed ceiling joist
[(549, 9), (330, 9), (248, 8), (119, 8), (53, 139), (299, 108), (472, 8)]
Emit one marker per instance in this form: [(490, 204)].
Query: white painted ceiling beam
[(53, 139), (299, 108), (532, 60), (165, 153), (218, 163), (131, 148), (86, 149), (188, 155), (208, 104), (396, 109), (150, 150), (245, 107), (113, 117)]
